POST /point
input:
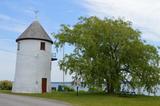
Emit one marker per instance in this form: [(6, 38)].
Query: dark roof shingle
[(35, 31)]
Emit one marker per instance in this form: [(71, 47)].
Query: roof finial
[(36, 14)]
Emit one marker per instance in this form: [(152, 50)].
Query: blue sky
[(16, 15)]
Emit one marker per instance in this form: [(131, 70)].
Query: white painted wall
[(32, 65)]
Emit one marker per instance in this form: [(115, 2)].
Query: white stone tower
[(33, 64)]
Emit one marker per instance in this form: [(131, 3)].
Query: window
[(18, 46), (42, 47)]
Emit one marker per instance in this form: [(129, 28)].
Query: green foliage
[(65, 88), (95, 89), (110, 52), (5, 85), (68, 89)]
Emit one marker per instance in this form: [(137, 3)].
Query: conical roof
[(35, 31)]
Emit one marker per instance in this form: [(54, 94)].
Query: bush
[(5, 85), (95, 89), (65, 88), (82, 91)]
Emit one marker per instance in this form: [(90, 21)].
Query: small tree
[(5, 85)]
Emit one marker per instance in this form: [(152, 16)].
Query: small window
[(42, 47), (18, 46)]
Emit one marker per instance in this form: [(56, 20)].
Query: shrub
[(5, 85), (95, 89), (67, 88)]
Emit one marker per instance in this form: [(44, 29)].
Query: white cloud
[(11, 24), (4, 17), (144, 14), (13, 28)]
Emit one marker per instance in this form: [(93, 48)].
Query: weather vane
[(36, 14)]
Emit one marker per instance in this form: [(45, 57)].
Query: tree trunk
[(110, 88)]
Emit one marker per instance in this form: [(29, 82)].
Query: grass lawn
[(90, 99)]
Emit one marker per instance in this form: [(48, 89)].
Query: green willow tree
[(109, 51)]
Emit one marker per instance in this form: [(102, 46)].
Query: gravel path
[(14, 100)]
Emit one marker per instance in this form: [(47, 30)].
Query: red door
[(44, 85)]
